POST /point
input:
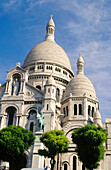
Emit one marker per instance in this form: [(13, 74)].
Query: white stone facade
[(46, 84)]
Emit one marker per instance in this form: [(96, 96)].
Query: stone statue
[(15, 87), (41, 121)]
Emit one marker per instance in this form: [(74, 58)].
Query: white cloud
[(10, 4)]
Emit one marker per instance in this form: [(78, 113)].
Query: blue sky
[(81, 26)]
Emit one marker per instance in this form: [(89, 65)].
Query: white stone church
[(46, 85)]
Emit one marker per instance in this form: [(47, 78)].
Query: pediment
[(16, 70)]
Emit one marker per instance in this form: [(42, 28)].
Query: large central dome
[(48, 51)]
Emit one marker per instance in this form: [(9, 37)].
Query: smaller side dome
[(97, 118), (80, 84), (50, 81), (97, 115)]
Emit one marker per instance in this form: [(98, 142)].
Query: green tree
[(89, 141), (14, 140), (55, 142)]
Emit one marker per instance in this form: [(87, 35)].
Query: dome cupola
[(80, 65), (50, 29)]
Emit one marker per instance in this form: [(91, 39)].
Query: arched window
[(89, 108), (38, 87), (75, 109), (31, 126), (80, 109), (57, 94), (32, 115), (74, 163), (83, 167), (65, 166), (11, 115), (92, 111)]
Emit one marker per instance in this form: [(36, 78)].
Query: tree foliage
[(55, 142), (89, 141), (14, 140)]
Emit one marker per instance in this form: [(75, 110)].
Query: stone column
[(21, 87), (7, 87), (44, 67), (37, 161), (35, 67), (85, 108)]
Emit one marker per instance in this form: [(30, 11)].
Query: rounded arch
[(10, 75), (28, 109), (38, 87), (66, 162), (71, 128), (11, 105)]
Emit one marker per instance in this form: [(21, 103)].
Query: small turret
[(50, 29)]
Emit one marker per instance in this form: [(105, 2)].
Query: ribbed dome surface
[(50, 52), (80, 85)]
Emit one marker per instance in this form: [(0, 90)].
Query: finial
[(51, 16), (18, 64), (80, 55)]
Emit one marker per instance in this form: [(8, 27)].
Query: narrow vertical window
[(92, 111), (66, 110), (31, 127), (89, 108), (18, 121), (65, 166), (48, 90), (75, 109), (57, 94), (74, 163), (47, 106), (80, 109)]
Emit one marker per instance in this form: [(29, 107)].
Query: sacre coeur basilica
[(45, 86)]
